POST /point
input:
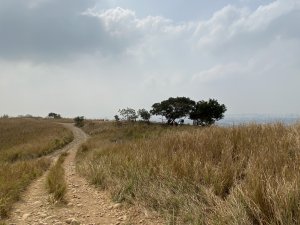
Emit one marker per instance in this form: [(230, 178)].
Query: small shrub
[(117, 118), (79, 121)]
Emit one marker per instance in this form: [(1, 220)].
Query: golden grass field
[(240, 175), (23, 142), (56, 183)]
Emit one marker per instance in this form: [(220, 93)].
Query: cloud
[(48, 30), (108, 58), (237, 32)]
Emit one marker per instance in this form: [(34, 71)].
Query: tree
[(79, 121), (206, 113), (173, 108), (54, 115), (144, 114), (128, 114), (117, 118)]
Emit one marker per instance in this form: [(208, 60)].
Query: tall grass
[(56, 183), (238, 175), (15, 177), (22, 139), (22, 143)]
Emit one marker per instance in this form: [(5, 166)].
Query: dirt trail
[(86, 204)]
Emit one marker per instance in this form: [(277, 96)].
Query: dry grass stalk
[(246, 174), (56, 183)]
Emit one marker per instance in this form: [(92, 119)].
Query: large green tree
[(173, 108), (206, 113)]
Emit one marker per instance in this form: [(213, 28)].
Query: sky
[(93, 57)]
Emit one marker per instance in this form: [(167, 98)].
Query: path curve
[(86, 204)]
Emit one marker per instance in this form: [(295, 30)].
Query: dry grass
[(22, 142), (15, 177), (238, 175), (56, 182), (22, 139)]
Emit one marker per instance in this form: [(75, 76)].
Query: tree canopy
[(206, 113), (128, 114), (144, 114), (54, 115), (117, 118), (173, 108)]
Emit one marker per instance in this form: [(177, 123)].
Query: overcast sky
[(92, 57)]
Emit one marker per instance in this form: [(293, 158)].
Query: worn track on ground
[(86, 204)]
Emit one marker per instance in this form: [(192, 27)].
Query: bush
[(79, 121)]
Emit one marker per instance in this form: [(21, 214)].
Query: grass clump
[(22, 143), (14, 178), (56, 182), (247, 174)]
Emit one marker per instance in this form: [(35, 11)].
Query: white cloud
[(220, 72), (112, 58)]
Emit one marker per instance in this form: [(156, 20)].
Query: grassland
[(241, 175), (56, 183), (23, 142)]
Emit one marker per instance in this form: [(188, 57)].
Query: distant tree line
[(175, 110), (79, 120)]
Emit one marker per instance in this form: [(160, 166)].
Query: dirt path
[(86, 204)]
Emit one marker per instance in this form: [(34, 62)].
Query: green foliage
[(54, 115), (117, 118), (79, 121), (144, 114), (206, 113), (128, 114), (173, 108)]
